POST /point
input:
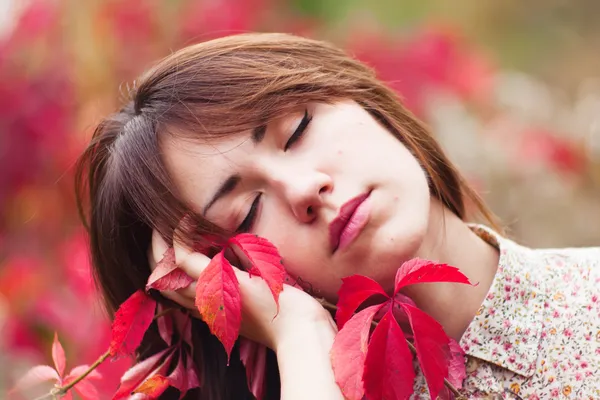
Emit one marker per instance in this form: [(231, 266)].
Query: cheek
[(303, 261)]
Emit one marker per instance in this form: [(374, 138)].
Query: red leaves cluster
[(150, 377), (368, 363), (380, 365), (218, 297)]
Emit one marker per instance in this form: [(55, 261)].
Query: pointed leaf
[(193, 380), (86, 390), (254, 358), (431, 343), (79, 370), (58, 356), (355, 290), (400, 315), (424, 271), (264, 259), (389, 372), (153, 387), (37, 375), (178, 378), (349, 351), (456, 370), (135, 375), (165, 326), (219, 301), (167, 276), (131, 321), (456, 365)]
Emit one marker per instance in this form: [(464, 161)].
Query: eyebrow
[(232, 181)]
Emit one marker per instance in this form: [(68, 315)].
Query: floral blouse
[(537, 333)]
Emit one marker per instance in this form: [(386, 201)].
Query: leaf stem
[(163, 313), (64, 389), (332, 307)]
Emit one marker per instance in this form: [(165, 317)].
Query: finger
[(188, 292), (179, 299), (159, 247), (190, 262)]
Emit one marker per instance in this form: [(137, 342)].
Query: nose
[(305, 193)]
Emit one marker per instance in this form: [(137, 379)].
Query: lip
[(339, 227)]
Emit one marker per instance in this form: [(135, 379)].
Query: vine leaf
[(132, 319), (218, 300), (167, 276)]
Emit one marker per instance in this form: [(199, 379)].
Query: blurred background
[(511, 88)]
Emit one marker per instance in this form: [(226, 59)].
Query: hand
[(296, 308)]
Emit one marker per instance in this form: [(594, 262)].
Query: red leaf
[(58, 355), (153, 387), (431, 343), (86, 390), (165, 326), (219, 302), (264, 259), (389, 372), (254, 358), (35, 376), (424, 271), (456, 365), (166, 275), (178, 378), (135, 375), (193, 381), (349, 351), (131, 321), (354, 291)]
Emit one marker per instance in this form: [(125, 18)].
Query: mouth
[(350, 221)]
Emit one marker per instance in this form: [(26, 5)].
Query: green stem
[(64, 389), (333, 307)]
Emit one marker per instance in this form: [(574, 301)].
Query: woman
[(285, 137)]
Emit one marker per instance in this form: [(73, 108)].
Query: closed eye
[(248, 222), (299, 131)]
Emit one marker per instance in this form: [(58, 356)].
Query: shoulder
[(538, 329), (546, 257), (586, 255)]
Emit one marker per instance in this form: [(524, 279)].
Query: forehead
[(197, 166)]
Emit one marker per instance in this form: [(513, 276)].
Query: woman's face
[(328, 185)]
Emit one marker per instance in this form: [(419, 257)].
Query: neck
[(449, 240)]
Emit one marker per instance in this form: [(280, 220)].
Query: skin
[(304, 188), (343, 153)]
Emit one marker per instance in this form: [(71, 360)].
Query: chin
[(391, 251)]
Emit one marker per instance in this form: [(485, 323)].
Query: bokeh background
[(511, 88)]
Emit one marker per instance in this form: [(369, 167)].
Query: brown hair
[(222, 87)]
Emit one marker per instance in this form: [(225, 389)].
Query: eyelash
[(299, 131), (248, 222)]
